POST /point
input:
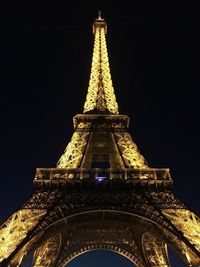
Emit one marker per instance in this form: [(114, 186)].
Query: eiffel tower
[(102, 194)]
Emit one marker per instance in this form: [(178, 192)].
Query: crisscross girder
[(100, 96)]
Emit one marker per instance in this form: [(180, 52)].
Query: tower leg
[(15, 229), (155, 251), (47, 254), (189, 225)]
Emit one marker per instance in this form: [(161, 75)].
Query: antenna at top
[(99, 13)]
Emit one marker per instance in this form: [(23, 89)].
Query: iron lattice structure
[(102, 194)]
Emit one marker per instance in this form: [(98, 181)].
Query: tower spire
[(99, 12), (100, 95)]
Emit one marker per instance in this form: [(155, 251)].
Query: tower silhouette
[(102, 194)]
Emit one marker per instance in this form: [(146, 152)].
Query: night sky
[(46, 52)]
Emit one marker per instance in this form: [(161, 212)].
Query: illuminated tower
[(102, 194)]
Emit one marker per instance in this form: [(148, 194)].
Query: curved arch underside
[(115, 221), (121, 237), (133, 236)]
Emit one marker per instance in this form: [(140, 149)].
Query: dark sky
[(46, 52)]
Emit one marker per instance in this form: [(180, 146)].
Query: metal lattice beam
[(100, 94), (15, 229)]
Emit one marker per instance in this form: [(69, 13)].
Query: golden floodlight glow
[(115, 201), (15, 229), (100, 96)]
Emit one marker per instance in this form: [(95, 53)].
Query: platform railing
[(104, 173)]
